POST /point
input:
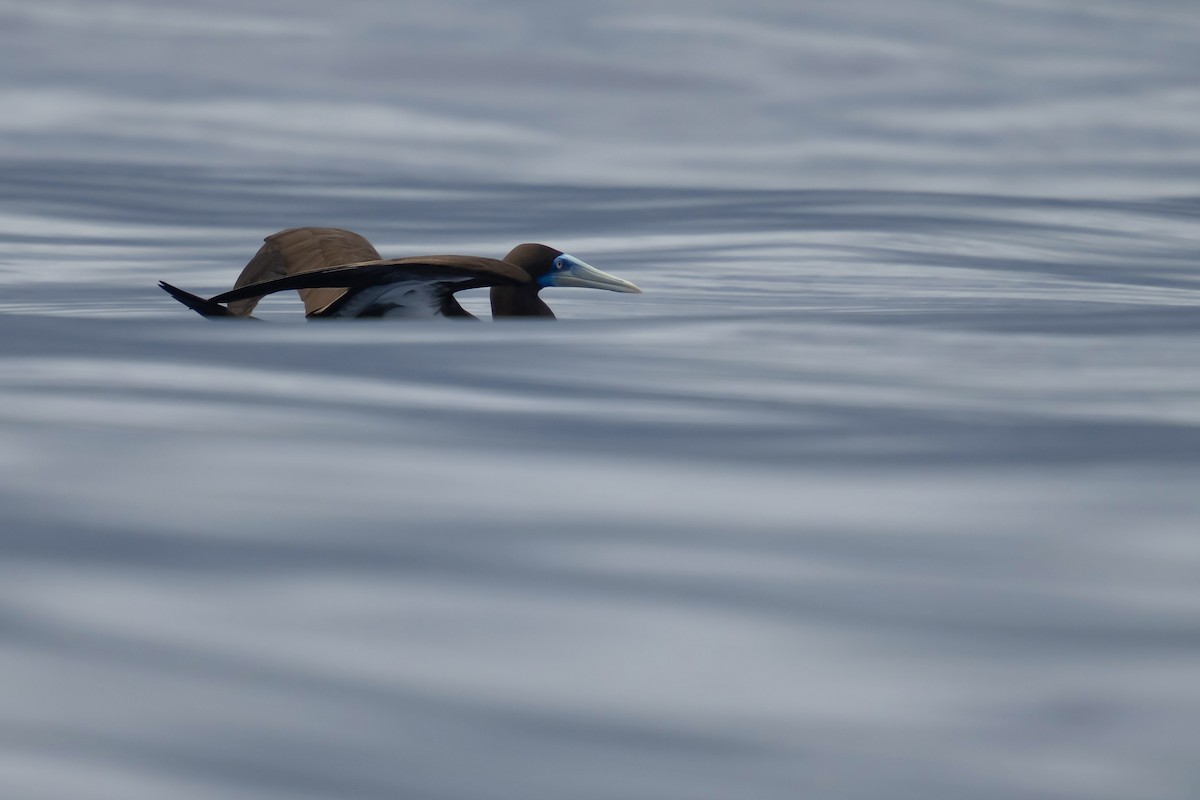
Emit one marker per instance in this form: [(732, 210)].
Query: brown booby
[(339, 274)]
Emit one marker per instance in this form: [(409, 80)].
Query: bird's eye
[(560, 264)]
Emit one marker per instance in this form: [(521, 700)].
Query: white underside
[(402, 299)]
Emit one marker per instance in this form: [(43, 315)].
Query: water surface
[(884, 488)]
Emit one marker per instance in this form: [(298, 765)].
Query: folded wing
[(296, 250), (417, 286)]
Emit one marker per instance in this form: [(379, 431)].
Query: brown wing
[(298, 250), (444, 274)]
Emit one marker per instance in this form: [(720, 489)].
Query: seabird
[(339, 274)]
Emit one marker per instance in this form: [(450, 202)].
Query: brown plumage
[(338, 273), (298, 250)]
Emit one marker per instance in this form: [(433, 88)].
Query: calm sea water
[(885, 488)]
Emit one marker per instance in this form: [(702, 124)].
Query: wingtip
[(205, 308)]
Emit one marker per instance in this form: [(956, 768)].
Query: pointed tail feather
[(205, 308)]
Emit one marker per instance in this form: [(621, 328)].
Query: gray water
[(886, 487)]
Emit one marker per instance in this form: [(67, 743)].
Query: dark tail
[(205, 308)]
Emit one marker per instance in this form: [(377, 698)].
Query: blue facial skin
[(563, 265), (570, 271)]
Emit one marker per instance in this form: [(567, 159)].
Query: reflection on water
[(884, 487)]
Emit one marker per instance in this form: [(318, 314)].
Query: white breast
[(400, 299)]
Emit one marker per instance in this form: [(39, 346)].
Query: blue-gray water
[(885, 488)]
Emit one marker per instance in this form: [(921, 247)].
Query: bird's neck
[(518, 301)]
